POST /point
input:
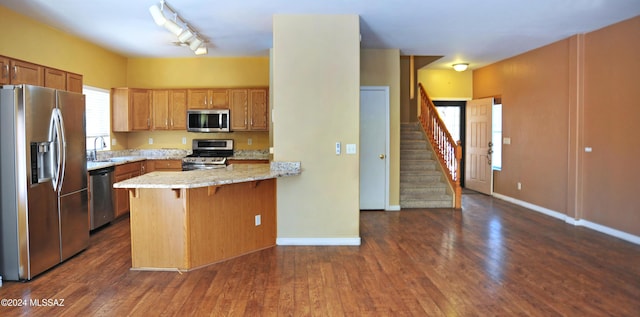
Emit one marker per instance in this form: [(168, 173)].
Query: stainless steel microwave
[(214, 120)]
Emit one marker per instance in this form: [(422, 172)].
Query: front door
[(374, 129), (478, 171)]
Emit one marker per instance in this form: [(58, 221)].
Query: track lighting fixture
[(178, 27)]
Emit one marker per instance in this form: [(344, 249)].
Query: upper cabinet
[(5, 73), (74, 82), (169, 108), (55, 78), (131, 109), (249, 109), (26, 73), (166, 109), (208, 99), (16, 72)]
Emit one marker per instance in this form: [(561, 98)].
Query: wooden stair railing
[(448, 151)]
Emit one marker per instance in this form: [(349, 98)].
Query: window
[(98, 117), (496, 137)]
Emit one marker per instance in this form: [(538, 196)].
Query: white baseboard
[(576, 222), (393, 208), (318, 241)]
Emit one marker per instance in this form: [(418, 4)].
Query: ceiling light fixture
[(460, 67), (178, 27)]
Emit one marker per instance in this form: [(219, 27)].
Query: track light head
[(157, 15)]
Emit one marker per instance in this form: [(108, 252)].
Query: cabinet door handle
[(15, 71), (6, 74), (148, 122)]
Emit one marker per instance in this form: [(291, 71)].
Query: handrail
[(448, 151)]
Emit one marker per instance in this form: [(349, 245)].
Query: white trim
[(576, 222), (393, 208), (548, 212), (318, 241), (610, 231), (387, 165)]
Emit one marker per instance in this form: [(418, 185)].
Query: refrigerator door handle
[(62, 148), (55, 158)]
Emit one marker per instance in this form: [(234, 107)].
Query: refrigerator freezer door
[(74, 223)]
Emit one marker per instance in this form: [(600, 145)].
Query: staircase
[(422, 182)]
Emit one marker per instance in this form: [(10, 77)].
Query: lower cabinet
[(164, 165), (124, 172)]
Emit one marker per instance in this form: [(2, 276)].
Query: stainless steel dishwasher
[(101, 200)]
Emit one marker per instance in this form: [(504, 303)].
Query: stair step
[(415, 155), (414, 145), (420, 193), (416, 165), (426, 204)]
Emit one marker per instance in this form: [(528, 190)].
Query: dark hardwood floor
[(491, 259)]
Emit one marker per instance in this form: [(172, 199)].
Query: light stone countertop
[(112, 158), (235, 173)]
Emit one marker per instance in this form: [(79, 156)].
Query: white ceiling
[(478, 32)]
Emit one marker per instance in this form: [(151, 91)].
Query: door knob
[(381, 156)]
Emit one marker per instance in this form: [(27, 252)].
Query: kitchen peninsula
[(186, 220)]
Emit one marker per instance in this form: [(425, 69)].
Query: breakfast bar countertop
[(235, 173)]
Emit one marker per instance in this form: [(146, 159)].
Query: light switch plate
[(506, 141), (184, 140), (351, 149)]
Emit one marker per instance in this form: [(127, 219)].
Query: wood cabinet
[(55, 78), (26, 73), (16, 72), (5, 73), (169, 109), (74, 82), (164, 166), (131, 109), (249, 109), (121, 196), (208, 99)]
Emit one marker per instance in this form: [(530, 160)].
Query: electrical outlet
[(150, 140), (337, 148), (113, 141), (258, 220), (249, 141), (184, 140), (519, 186)]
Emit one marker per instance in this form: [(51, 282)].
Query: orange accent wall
[(558, 99)]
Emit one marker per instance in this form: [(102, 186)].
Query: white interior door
[(478, 173), (374, 145)]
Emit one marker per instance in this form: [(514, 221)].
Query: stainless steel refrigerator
[(43, 179)]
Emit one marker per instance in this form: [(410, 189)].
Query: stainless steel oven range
[(208, 154)]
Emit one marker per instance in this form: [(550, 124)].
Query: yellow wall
[(316, 95), (198, 72), (192, 73), (445, 84), (29, 40), (381, 67)]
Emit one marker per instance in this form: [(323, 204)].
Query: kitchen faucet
[(102, 146)]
